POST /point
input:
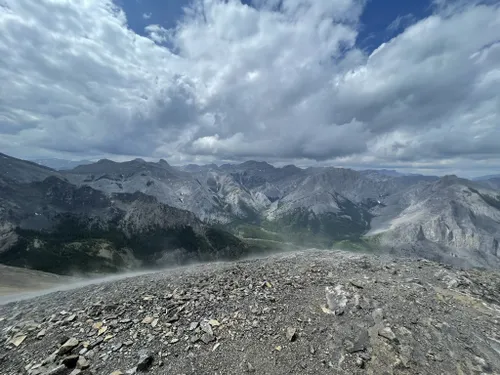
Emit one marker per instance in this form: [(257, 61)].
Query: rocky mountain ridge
[(446, 219), (55, 226)]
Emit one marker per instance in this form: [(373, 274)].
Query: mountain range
[(137, 213)]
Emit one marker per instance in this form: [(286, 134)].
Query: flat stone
[(206, 327), (173, 318), (17, 340), (68, 346), (82, 363), (291, 334), (207, 338), (387, 333), (361, 342), (378, 315), (41, 333)]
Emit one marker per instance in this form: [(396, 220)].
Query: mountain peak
[(256, 164)]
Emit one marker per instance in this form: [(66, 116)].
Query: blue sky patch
[(381, 19)]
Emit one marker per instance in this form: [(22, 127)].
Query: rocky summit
[(314, 312)]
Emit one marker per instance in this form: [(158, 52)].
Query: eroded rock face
[(300, 313)]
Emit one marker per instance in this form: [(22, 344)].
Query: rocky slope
[(54, 226), (452, 219), (14, 280), (13, 170), (168, 184), (301, 313)]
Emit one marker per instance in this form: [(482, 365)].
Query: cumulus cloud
[(282, 80)]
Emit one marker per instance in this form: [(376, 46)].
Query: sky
[(409, 85)]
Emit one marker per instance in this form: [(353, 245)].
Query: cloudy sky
[(413, 85)]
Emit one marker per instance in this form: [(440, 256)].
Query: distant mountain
[(61, 164), (53, 225), (168, 184), (491, 181), (487, 177), (194, 168), (385, 172), (19, 171), (444, 220), (448, 219)]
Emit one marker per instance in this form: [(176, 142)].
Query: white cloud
[(279, 81), (147, 16), (157, 33)]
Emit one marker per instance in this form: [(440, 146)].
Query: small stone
[(102, 330), (193, 326), (336, 299), (117, 372), (71, 318), (387, 333), (207, 338), (250, 368), (326, 310), (378, 315), (206, 327), (145, 361), (311, 349), (173, 318), (75, 371), (194, 339), (214, 322), (154, 323), (147, 320), (62, 339), (17, 340), (82, 363), (360, 362), (216, 346), (70, 361), (50, 359), (41, 333), (97, 325), (357, 284), (291, 334), (361, 342), (68, 346)]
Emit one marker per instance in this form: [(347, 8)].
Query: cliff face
[(55, 226), (454, 214)]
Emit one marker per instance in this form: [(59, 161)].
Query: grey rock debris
[(265, 316)]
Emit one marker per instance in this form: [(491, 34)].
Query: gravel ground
[(315, 312)]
